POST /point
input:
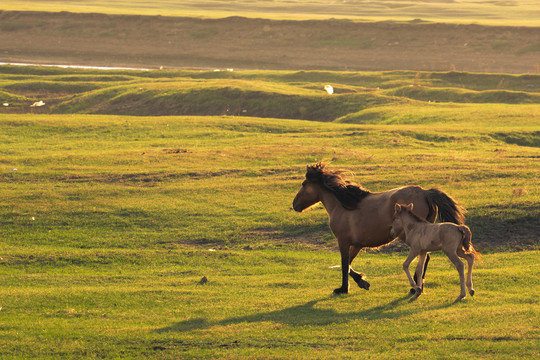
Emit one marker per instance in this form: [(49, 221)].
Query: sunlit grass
[(268, 304), (211, 180), (109, 222), (512, 12)]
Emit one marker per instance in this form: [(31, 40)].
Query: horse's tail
[(466, 242), (446, 208)]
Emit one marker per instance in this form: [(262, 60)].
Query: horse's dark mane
[(348, 193)]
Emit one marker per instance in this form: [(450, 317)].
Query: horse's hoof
[(459, 298), (340, 291), (359, 279), (364, 285), (418, 292), (471, 292)]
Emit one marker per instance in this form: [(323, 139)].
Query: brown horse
[(362, 219), (423, 236)]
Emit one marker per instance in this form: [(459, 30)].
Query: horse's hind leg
[(357, 277), (416, 275), (419, 268), (461, 270), (470, 263)]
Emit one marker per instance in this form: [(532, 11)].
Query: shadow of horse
[(307, 314)]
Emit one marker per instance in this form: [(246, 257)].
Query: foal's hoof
[(471, 292), (459, 298), (340, 291), (417, 293), (414, 291)]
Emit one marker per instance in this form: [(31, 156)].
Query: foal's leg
[(410, 258), (470, 263), (357, 277), (418, 274), (461, 270)]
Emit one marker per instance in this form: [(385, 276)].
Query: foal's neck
[(409, 222)]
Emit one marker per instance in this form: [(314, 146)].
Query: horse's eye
[(304, 183)]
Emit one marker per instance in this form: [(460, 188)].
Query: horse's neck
[(329, 201)]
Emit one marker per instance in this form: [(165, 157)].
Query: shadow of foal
[(307, 314)]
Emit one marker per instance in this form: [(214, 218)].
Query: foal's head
[(397, 219), (401, 213)]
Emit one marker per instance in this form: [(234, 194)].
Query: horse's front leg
[(344, 250), (357, 277)]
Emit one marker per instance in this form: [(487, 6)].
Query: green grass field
[(259, 304), (108, 220), (513, 12)]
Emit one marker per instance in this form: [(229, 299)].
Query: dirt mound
[(241, 43)]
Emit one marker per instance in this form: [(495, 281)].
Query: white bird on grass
[(38, 103)]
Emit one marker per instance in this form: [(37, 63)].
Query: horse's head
[(308, 195), (397, 220)]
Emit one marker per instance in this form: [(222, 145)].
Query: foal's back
[(433, 237)]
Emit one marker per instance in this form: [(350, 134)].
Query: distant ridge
[(244, 43)]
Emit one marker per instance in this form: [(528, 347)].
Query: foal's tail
[(446, 208), (466, 242)]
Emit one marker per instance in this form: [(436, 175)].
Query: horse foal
[(423, 237)]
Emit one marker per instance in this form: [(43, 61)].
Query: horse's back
[(410, 194)]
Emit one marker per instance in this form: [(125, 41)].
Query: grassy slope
[(92, 173), (278, 94), (107, 223)]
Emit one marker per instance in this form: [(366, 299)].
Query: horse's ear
[(397, 209)]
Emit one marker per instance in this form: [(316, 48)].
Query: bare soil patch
[(242, 43)]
